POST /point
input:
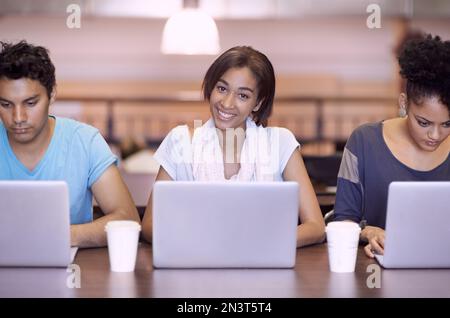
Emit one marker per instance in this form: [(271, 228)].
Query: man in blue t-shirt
[(36, 146)]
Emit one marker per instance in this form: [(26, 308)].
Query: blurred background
[(335, 70)]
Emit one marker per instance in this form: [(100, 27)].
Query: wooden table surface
[(310, 278)]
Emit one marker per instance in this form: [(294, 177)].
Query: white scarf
[(256, 162)]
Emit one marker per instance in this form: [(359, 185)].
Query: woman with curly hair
[(413, 147)]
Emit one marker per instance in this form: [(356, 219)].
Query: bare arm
[(374, 236), (115, 200), (147, 220), (312, 227)]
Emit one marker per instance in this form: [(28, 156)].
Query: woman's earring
[(256, 108), (402, 112)]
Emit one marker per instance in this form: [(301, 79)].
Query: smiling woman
[(235, 144), (414, 147), (234, 98)]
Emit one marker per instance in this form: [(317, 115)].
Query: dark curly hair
[(23, 60), (259, 65), (425, 64)]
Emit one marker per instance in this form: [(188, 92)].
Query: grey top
[(367, 168)]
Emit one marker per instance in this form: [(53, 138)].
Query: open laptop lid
[(418, 225), (34, 223), (231, 224)]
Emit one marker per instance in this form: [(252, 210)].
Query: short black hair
[(259, 65), (425, 64), (24, 60)]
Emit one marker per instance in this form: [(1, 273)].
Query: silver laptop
[(417, 226), (34, 224), (224, 225)]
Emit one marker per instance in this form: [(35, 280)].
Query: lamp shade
[(190, 31)]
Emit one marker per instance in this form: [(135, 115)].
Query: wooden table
[(310, 278)]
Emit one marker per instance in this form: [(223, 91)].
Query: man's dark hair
[(425, 64), (259, 65), (24, 60)]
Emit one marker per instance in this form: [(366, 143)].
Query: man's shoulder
[(2, 129), (73, 127)]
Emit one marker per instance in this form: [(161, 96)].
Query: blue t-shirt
[(367, 168), (77, 154)]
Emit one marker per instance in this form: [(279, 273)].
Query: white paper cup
[(342, 241), (123, 238)]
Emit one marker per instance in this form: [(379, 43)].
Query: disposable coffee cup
[(123, 238), (342, 241)]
